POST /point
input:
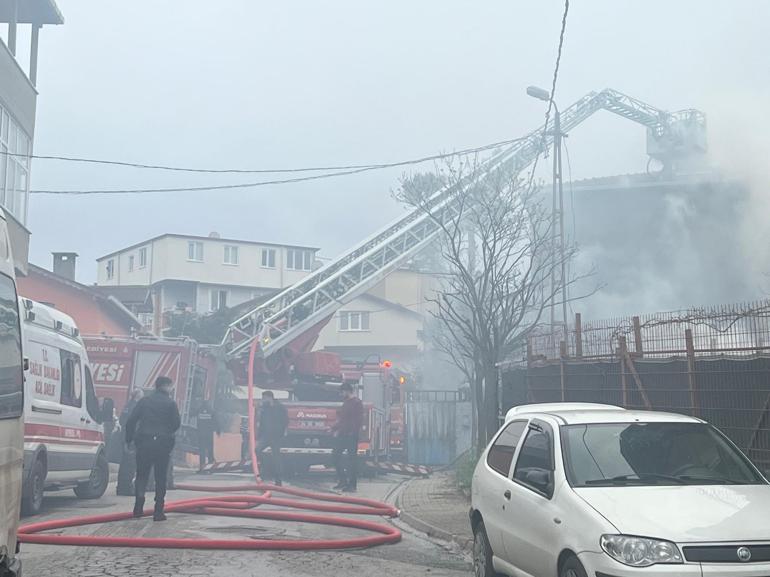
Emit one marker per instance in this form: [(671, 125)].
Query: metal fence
[(711, 363)]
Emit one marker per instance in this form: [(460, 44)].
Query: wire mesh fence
[(712, 363)]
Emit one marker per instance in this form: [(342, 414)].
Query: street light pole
[(557, 212), (557, 177)]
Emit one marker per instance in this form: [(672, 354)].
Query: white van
[(11, 409), (63, 436)]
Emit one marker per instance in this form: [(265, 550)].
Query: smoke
[(704, 240), (739, 129)]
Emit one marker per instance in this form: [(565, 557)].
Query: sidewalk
[(437, 507)]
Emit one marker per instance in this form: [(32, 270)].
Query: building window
[(195, 251), (110, 269), (231, 254), (354, 321), (218, 299), (131, 263), (14, 166), (268, 258), (143, 257), (297, 259), (147, 321)]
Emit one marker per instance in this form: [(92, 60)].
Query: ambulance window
[(71, 380), (11, 372)]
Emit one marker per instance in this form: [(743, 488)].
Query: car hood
[(685, 513)]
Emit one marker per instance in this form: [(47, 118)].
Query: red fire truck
[(315, 399), (122, 364)]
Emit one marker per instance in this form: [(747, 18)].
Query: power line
[(551, 102), (342, 170)]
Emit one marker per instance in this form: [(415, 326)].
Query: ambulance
[(63, 437)]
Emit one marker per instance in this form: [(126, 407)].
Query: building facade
[(203, 274), (95, 313), (18, 102), (385, 323)]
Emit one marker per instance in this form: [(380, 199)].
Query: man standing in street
[(151, 427), (127, 469), (273, 421), (347, 429), (207, 425)]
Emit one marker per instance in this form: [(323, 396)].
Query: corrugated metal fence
[(711, 363)]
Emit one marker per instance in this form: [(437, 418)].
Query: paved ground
[(437, 507), (415, 555)]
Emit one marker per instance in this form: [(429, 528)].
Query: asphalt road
[(414, 555)]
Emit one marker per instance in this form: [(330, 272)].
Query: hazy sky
[(252, 84)]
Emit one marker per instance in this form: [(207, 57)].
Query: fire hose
[(242, 505)]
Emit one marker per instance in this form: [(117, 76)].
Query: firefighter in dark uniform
[(127, 469), (206, 425), (347, 430), (273, 421), (151, 427)]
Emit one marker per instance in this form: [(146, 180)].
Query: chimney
[(64, 264)]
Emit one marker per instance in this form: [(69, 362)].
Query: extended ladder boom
[(315, 298)]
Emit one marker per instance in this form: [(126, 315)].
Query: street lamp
[(557, 209)]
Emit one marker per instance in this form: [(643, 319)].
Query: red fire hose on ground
[(241, 505)]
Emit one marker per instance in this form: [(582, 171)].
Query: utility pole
[(557, 213)]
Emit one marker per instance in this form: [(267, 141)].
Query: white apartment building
[(203, 273)]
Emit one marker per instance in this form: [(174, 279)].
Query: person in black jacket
[(273, 421), (127, 469), (207, 425), (151, 428)]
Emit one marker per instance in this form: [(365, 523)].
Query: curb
[(464, 543)]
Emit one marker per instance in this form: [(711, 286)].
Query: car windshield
[(652, 454)]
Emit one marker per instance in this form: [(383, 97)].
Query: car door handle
[(82, 419), (507, 495)]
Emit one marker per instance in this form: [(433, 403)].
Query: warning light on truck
[(387, 364)]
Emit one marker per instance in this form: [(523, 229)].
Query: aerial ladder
[(288, 324)]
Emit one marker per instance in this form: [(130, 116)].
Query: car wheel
[(32, 496), (482, 553), (97, 484), (572, 568)]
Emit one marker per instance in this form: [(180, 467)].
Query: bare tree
[(497, 250)]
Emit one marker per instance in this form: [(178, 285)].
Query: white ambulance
[(63, 436)]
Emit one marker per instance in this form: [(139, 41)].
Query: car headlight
[(640, 552)]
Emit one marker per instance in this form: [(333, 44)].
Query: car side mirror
[(26, 363), (541, 479)]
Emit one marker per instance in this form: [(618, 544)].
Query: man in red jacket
[(350, 418)]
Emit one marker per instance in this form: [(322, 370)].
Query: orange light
[(401, 380), (387, 364)]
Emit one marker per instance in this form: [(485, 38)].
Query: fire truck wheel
[(97, 484), (32, 495)]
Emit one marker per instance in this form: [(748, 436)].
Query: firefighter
[(207, 425), (346, 430), (127, 469), (273, 421), (151, 427)]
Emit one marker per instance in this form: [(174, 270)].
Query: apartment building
[(202, 273), (18, 104)]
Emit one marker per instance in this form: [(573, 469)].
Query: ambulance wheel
[(97, 484), (32, 495)]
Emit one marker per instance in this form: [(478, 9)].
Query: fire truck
[(314, 400), (122, 364)]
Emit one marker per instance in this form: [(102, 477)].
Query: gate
[(433, 421)]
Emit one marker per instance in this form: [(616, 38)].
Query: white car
[(578, 490)]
